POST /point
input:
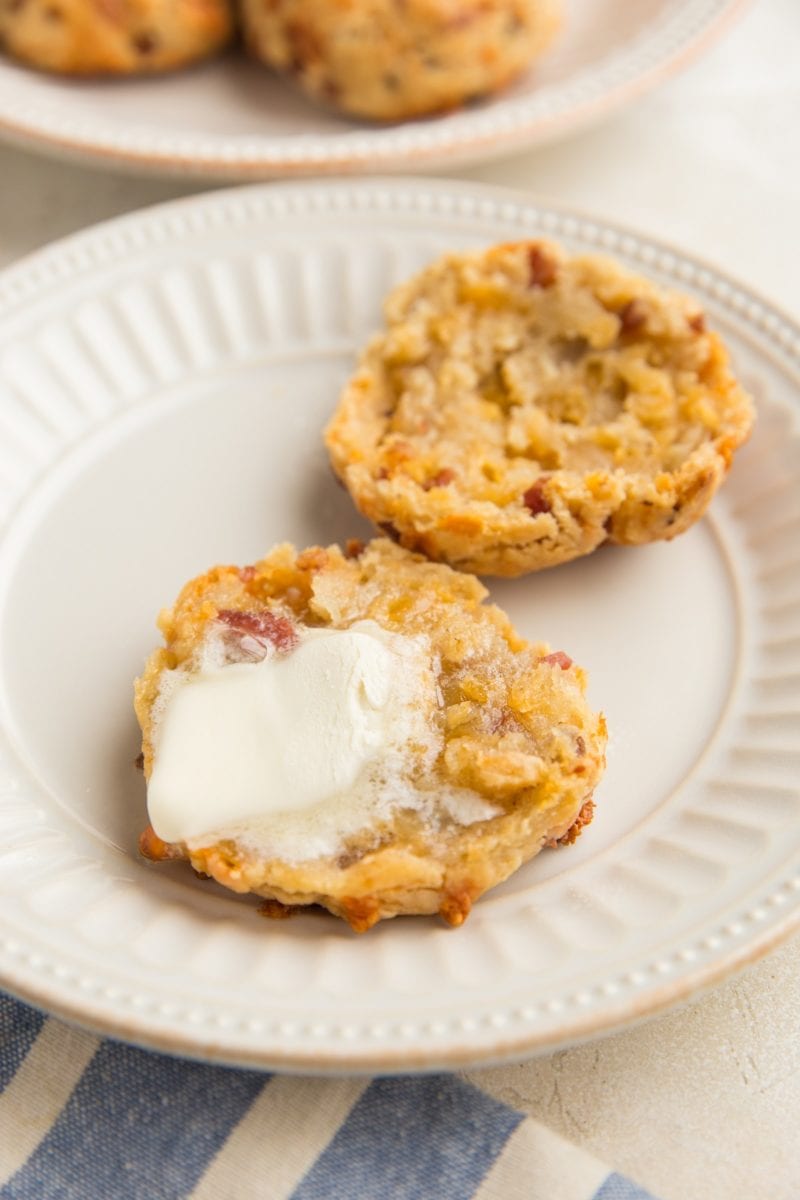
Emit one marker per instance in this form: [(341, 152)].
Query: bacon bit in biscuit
[(580, 744), (156, 849), (247, 574), (145, 43), (273, 910), (632, 316), (535, 499), (697, 323), (265, 625), (354, 548), (138, 762), (558, 659), (543, 269), (441, 479), (304, 46)]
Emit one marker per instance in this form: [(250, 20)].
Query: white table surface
[(704, 1103)]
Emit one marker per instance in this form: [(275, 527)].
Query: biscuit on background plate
[(114, 37), (387, 61)]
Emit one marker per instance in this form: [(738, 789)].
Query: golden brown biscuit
[(524, 406), (389, 61), (114, 37), (513, 752)]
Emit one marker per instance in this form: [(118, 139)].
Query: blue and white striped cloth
[(83, 1118)]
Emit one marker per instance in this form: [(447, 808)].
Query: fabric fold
[(87, 1118)]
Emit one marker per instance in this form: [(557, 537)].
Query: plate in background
[(231, 119), (163, 383)]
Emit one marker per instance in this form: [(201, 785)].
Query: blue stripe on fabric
[(139, 1126), (412, 1139), (617, 1187), (19, 1028)]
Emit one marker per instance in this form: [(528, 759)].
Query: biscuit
[(513, 755), (384, 61), (113, 37), (524, 406)]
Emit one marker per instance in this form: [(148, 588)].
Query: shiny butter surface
[(292, 734)]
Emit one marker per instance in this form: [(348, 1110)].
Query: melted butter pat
[(249, 741)]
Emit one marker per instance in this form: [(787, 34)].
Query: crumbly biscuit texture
[(524, 406), (387, 61), (113, 37), (518, 751)]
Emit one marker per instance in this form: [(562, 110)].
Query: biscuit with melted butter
[(514, 755)]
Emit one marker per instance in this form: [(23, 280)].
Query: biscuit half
[(512, 755), (523, 406)]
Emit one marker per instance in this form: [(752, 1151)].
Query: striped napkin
[(83, 1118)]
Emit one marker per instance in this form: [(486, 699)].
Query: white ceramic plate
[(163, 382), (232, 119)]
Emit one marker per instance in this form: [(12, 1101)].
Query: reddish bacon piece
[(632, 316), (558, 659), (265, 625), (441, 479), (535, 499), (542, 268)]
